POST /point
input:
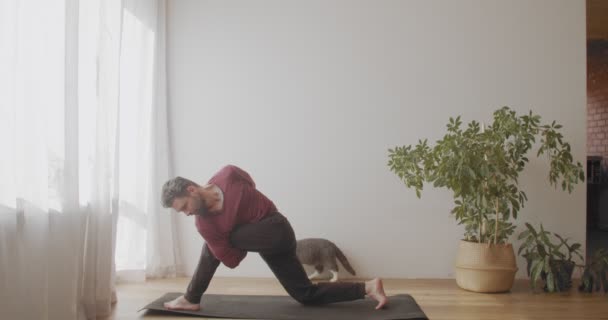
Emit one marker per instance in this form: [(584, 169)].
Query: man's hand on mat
[(375, 290), (180, 303)]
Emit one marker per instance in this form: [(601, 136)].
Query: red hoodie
[(243, 204)]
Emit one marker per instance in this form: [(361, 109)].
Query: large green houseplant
[(482, 167)]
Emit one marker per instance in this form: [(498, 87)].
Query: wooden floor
[(440, 299)]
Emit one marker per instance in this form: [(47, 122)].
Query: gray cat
[(321, 254)]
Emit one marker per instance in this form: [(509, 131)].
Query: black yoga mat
[(401, 306)]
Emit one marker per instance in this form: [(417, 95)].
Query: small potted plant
[(595, 274), (551, 262), (482, 167)]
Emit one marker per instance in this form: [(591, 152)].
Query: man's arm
[(219, 241), (205, 270), (226, 253)]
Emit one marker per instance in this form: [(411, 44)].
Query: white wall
[(308, 96)]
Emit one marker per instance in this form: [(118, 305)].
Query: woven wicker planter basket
[(482, 267)]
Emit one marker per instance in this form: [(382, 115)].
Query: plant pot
[(482, 267), (562, 269)]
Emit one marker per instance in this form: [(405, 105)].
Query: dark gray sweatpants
[(274, 239)]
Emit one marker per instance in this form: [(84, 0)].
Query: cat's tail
[(344, 261)]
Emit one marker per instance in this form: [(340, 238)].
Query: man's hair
[(175, 188)]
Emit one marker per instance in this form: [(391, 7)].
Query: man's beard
[(203, 210)]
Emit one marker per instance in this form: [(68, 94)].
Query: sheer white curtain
[(83, 140), (146, 243)]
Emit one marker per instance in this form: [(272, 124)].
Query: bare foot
[(375, 290), (180, 303)]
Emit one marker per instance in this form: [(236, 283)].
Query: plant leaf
[(550, 282), (537, 266)]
